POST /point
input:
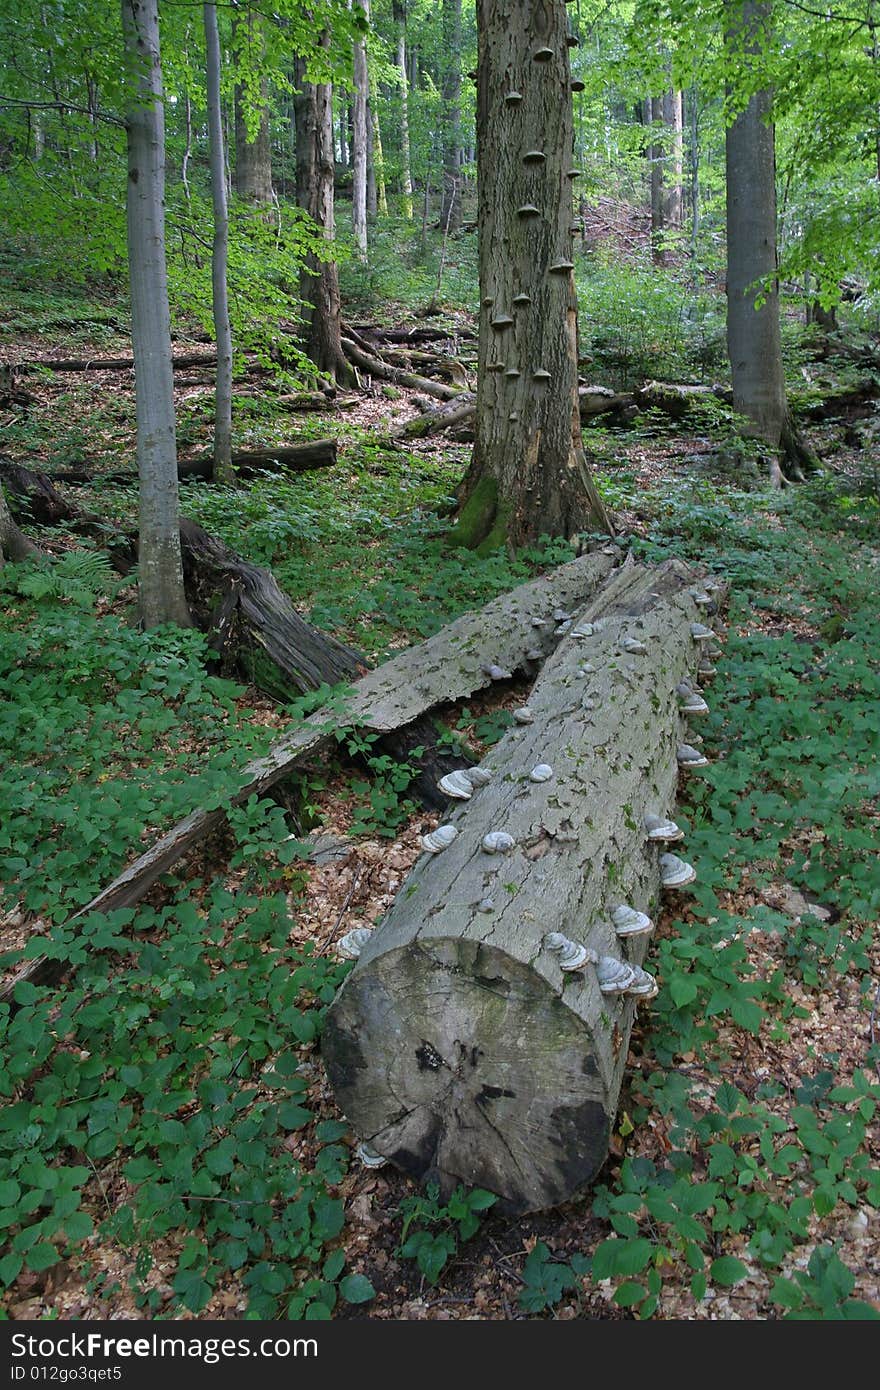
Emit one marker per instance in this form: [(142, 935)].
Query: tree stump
[(458, 1048)]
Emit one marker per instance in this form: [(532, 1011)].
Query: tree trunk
[(655, 165), (315, 168), (673, 120), (160, 577), (219, 258), (528, 476), (399, 14), (377, 197), (457, 1047), (359, 142), (753, 333), (253, 153), (14, 544), (450, 206), (515, 630)]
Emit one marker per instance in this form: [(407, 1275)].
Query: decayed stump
[(458, 1048)]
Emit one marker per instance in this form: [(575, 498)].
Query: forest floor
[(743, 1180)]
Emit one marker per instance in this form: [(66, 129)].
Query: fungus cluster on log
[(482, 1035)]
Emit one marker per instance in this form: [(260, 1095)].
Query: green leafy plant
[(440, 1227)]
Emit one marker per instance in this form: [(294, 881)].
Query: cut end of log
[(504, 1087)]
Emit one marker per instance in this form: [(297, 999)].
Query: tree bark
[(673, 120), (528, 476), (360, 140), (14, 544), (219, 258), (753, 331), (160, 578), (315, 168), (406, 187), (457, 1047), (253, 153), (655, 167), (450, 206)]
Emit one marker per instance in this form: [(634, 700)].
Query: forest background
[(170, 1143)]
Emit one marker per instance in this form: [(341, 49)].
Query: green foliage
[(546, 1280), (440, 1227)]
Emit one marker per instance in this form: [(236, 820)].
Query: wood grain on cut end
[(488, 1077)]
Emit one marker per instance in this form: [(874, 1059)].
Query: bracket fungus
[(573, 955), (656, 828), (577, 85), (688, 756), (439, 839), (534, 157), (528, 210), (457, 785), (614, 976), (542, 772), (542, 55), (370, 1157), (498, 842), (541, 375), (501, 322), (496, 673), (690, 702), (524, 715), (628, 921), (644, 986), (675, 872), (520, 300), (351, 945), (513, 98), (560, 268), (633, 646), (701, 633)]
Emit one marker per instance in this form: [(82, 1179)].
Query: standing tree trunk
[(656, 152), (160, 574), (753, 333), (319, 287), (253, 154), (528, 476), (399, 13), (450, 207), (673, 120), (219, 257), (360, 141)]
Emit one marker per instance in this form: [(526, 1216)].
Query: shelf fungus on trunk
[(472, 1041)]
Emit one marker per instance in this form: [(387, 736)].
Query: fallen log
[(514, 631), (111, 364), (459, 1048), (385, 372), (293, 458)]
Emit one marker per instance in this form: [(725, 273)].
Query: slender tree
[(406, 185), (160, 572), (219, 255), (360, 142), (450, 206), (753, 331), (319, 288), (528, 475)]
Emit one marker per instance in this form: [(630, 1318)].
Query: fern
[(79, 575)]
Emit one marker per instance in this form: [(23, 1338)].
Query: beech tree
[(253, 153), (528, 475), (160, 571), (360, 141), (315, 165), (219, 254), (753, 330)]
